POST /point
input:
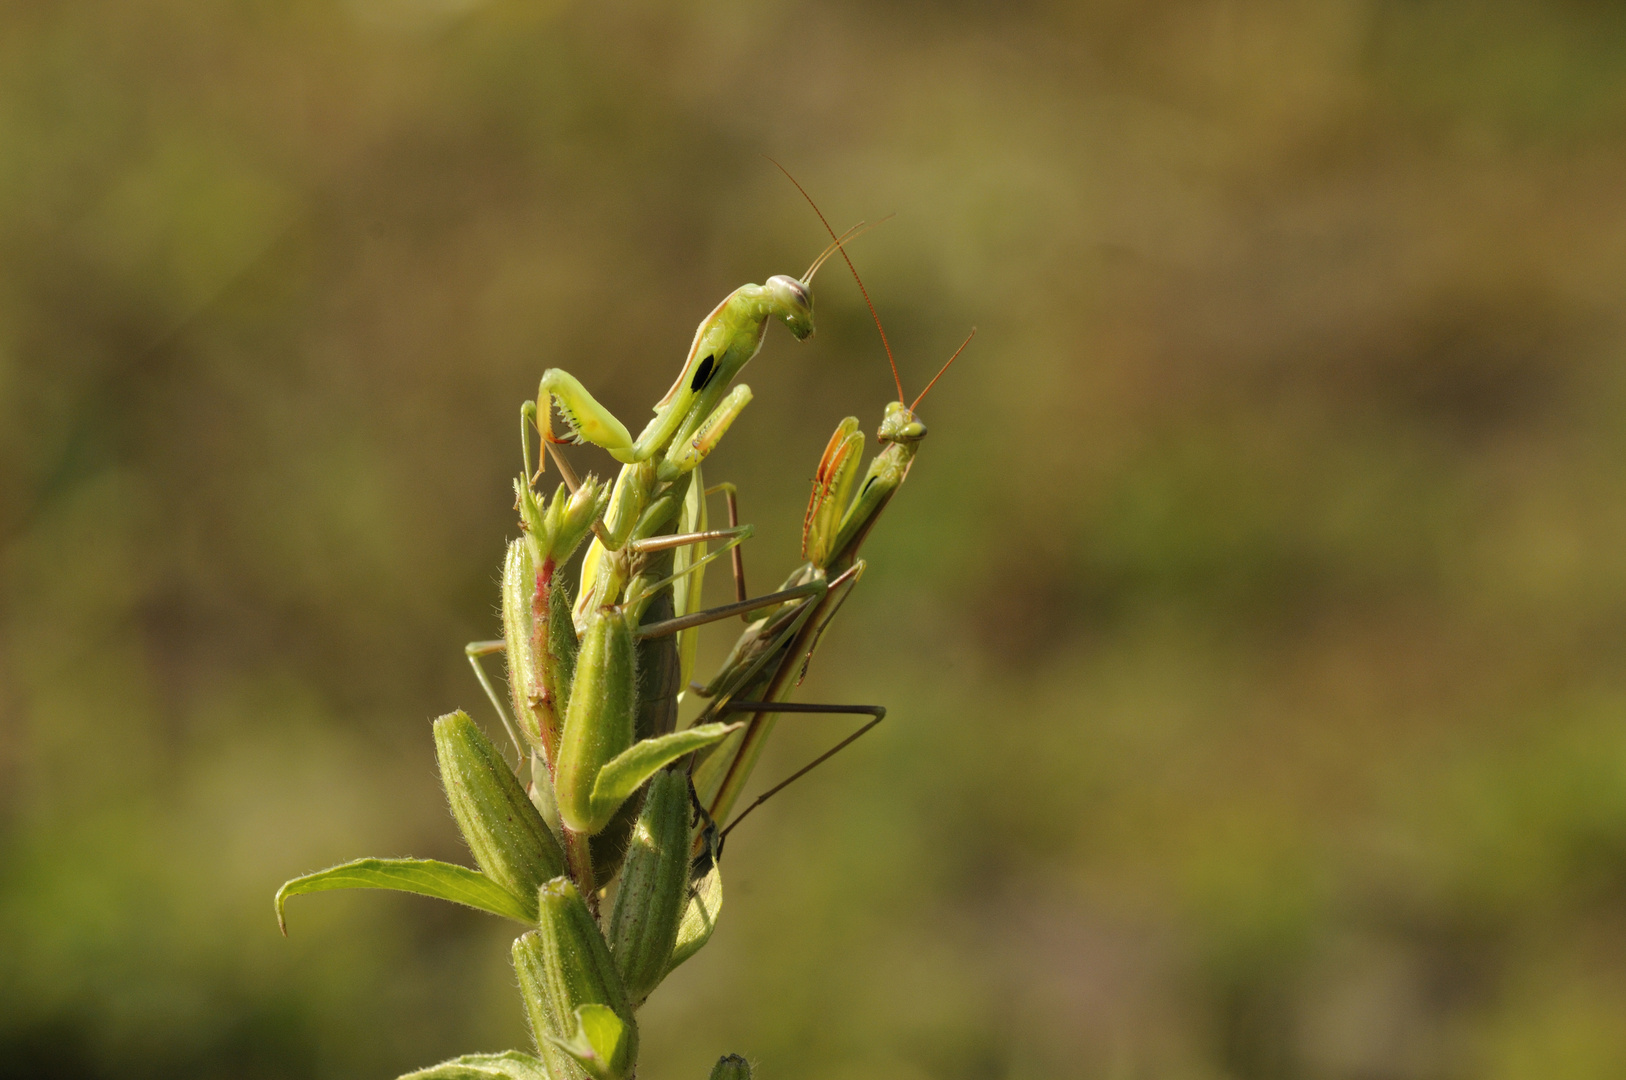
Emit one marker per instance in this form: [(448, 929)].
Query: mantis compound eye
[(795, 289), (905, 432)]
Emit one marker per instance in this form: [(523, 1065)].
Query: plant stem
[(579, 856)]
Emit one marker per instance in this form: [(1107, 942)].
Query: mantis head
[(792, 301), (792, 298), (900, 425)]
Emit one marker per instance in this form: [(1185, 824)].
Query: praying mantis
[(771, 655), (779, 644)]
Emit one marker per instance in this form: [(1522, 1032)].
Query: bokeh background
[(1253, 623)]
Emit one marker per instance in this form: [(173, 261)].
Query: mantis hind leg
[(876, 713), (731, 497), (475, 651)]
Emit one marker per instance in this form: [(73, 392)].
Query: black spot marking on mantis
[(702, 374), (867, 484)]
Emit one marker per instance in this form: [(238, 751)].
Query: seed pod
[(654, 885), (660, 677), (578, 1009), (599, 723), (539, 668), (599, 767), (524, 674), (509, 839), (731, 1067)]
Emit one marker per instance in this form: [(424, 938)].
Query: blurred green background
[(1253, 623)]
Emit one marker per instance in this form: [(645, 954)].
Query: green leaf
[(597, 1041), (626, 772), (426, 877), (705, 903), (512, 1065)]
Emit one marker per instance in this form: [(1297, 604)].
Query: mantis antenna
[(848, 259), (839, 243), (942, 369), (847, 237)]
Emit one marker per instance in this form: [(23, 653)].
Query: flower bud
[(654, 885), (578, 1010), (509, 839), (585, 507), (731, 1067), (599, 722), (555, 530)]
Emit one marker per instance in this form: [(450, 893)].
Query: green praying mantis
[(759, 671), (770, 657), (606, 744)]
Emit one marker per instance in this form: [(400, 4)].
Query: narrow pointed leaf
[(512, 1065), (426, 877), (626, 772)]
